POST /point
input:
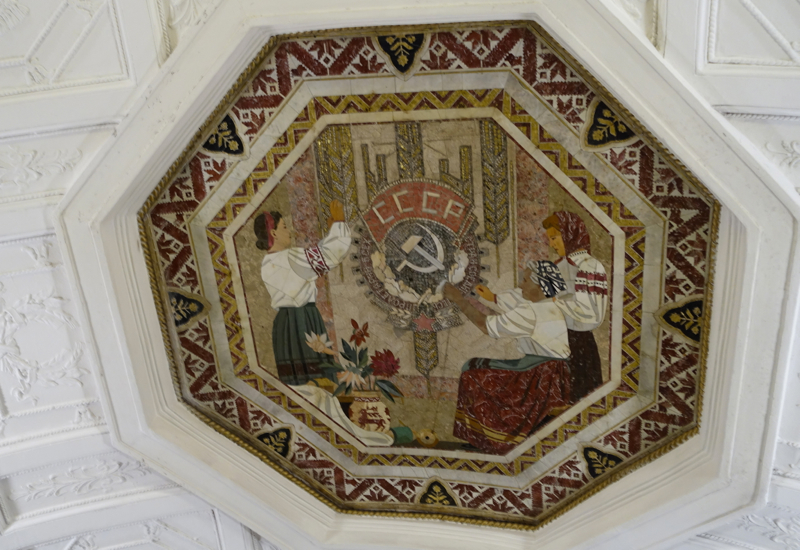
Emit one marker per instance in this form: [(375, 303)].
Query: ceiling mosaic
[(438, 272)]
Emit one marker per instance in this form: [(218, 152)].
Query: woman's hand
[(530, 288), (337, 212), (484, 292)]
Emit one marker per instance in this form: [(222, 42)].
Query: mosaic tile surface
[(438, 273)]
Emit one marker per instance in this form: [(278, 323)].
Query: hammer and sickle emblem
[(413, 243)]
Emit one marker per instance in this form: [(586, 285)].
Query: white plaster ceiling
[(71, 74)]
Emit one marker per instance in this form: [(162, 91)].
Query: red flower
[(360, 335), (385, 364)]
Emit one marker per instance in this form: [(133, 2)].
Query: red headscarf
[(269, 222), (573, 232)]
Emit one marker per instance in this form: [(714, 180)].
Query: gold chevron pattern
[(418, 101)]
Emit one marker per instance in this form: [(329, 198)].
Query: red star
[(424, 322)]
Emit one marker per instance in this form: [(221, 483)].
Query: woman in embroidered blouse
[(290, 275), (501, 402), (585, 301)]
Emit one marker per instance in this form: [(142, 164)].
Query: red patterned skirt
[(498, 408)]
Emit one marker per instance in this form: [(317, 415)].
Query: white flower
[(350, 378), (320, 343)]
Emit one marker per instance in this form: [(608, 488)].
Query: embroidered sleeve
[(586, 308), (314, 261)]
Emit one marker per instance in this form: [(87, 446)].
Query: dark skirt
[(297, 363), (584, 364)]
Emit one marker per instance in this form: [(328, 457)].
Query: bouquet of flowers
[(357, 370)]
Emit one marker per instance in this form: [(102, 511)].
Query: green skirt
[(297, 363)]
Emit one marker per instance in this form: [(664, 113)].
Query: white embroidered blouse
[(585, 301), (289, 275), (541, 327)]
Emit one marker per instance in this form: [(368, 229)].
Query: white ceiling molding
[(71, 479), (787, 153), (97, 478), (45, 387), (184, 527), (42, 133), (692, 485), (766, 23), (646, 16), (175, 19), (72, 61), (745, 113), (75, 44), (161, 31), (188, 13), (775, 526), (716, 542), (698, 52), (11, 13), (777, 140), (57, 428), (46, 165), (20, 168), (787, 460), (125, 523), (757, 94)]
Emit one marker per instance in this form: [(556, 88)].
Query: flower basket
[(357, 371), (368, 412)]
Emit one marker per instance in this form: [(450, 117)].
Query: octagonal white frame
[(722, 470)]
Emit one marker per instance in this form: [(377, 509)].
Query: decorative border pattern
[(527, 51)]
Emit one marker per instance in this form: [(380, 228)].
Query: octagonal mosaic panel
[(438, 272)]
